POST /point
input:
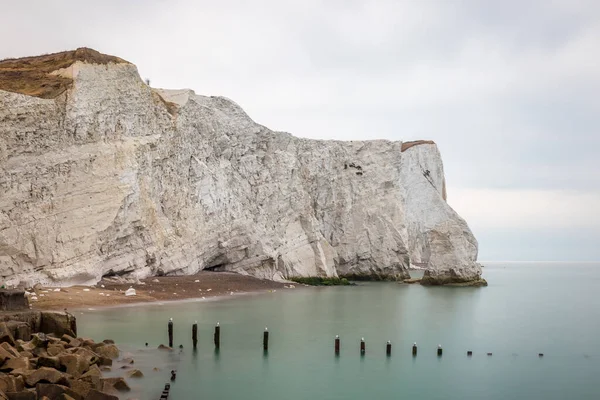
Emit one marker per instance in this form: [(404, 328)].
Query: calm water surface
[(528, 308)]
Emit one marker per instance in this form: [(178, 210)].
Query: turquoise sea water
[(528, 308)]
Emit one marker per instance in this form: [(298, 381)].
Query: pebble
[(155, 280), (208, 290), (197, 280), (42, 295), (56, 290), (86, 290)]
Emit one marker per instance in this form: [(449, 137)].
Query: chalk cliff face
[(114, 177)]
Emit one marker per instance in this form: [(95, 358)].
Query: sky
[(508, 90)]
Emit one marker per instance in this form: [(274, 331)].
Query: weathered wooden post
[(439, 350), (195, 334), (337, 345), (217, 336), (266, 339), (388, 348), (362, 346), (414, 349), (469, 353), (165, 392), (170, 329)]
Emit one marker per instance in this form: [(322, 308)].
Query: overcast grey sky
[(508, 89)]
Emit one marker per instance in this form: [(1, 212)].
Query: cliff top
[(33, 75), (408, 145)]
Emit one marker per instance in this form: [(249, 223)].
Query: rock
[(128, 360), (50, 362), (16, 363), (13, 300), (134, 373), (163, 347), (89, 356), (23, 395), (412, 280), (9, 349), (5, 355), (105, 368), (55, 349), (19, 329), (75, 364), (204, 186), (58, 323), (82, 388), (118, 384), (108, 341), (11, 383), (45, 374), (130, 292), (54, 391), (109, 351), (97, 395), (5, 334)]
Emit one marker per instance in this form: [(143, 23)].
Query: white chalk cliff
[(111, 176)]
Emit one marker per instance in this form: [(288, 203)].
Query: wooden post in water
[(414, 349), (362, 346), (217, 336), (439, 350), (337, 345), (266, 339), (388, 348), (170, 330), (469, 353), (195, 334)]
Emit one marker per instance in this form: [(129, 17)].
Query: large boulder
[(10, 349), (75, 364), (58, 323), (119, 384), (16, 363), (50, 362), (23, 395), (11, 383), (45, 375), (54, 391), (109, 351), (98, 395), (6, 334), (13, 300)]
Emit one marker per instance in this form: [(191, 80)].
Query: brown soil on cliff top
[(210, 284), (31, 75), (408, 145)]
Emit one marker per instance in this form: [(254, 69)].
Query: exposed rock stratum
[(101, 174)]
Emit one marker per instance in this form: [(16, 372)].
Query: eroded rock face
[(113, 177)]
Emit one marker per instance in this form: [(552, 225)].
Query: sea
[(534, 333)]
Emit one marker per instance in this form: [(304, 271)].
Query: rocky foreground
[(103, 175), (65, 368)]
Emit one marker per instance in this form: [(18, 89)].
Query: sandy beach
[(106, 293)]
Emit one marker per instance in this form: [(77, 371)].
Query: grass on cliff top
[(318, 281), (31, 75)]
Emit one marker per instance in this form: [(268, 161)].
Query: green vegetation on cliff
[(318, 281)]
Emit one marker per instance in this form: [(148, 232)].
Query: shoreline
[(110, 293)]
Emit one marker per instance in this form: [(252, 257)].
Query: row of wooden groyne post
[(336, 345)]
